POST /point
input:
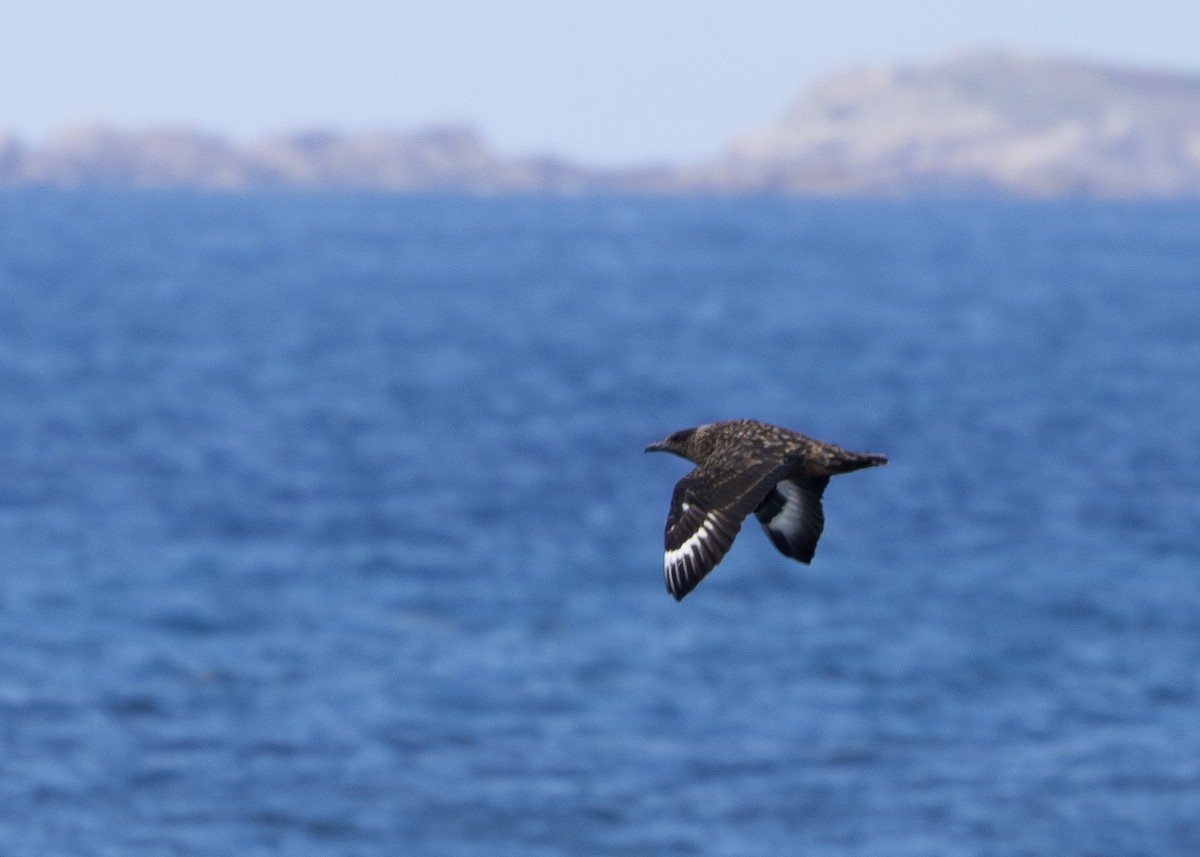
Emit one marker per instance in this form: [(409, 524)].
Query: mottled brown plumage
[(745, 466)]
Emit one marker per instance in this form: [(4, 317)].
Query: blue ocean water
[(325, 527)]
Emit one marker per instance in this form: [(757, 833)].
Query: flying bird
[(745, 466)]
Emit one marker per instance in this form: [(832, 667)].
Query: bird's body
[(745, 466)]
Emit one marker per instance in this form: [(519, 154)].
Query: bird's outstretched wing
[(792, 516), (707, 510)]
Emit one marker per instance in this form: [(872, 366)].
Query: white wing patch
[(689, 547), (692, 559)]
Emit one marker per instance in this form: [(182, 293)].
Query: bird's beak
[(656, 447)]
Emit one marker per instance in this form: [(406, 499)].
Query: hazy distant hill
[(987, 121), (437, 159), (984, 122)]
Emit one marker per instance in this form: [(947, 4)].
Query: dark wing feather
[(707, 509), (698, 536), (792, 516)]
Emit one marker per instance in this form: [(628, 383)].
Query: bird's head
[(692, 444)]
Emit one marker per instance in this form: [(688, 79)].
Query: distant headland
[(979, 123)]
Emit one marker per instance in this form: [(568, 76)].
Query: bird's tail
[(847, 462)]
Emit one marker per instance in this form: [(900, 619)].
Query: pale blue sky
[(609, 81)]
